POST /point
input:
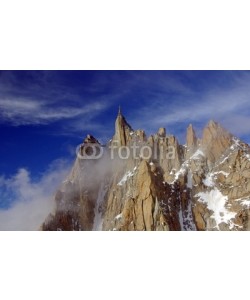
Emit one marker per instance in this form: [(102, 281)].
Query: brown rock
[(191, 140), (158, 193), (216, 140), (162, 132), (122, 131)]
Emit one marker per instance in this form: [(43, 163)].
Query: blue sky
[(45, 114)]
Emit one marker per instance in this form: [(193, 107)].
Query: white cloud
[(32, 199), (26, 111), (162, 100)]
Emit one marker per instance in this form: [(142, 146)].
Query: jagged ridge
[(203, 185)]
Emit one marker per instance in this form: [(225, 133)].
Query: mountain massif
[(140, 183)]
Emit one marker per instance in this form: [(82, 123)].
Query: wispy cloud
[(31, 200), (229, 104), (149, 99), (34, 112), (42, 98)]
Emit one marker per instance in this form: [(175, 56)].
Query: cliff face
[(154, 183)]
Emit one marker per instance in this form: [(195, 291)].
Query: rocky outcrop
[(215, 141), (162, 132), (161, 186), (191, 141), (141, 201), (123, 131)]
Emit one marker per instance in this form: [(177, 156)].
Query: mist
[(31, 200)]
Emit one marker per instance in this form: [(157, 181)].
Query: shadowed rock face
[(204, 185)]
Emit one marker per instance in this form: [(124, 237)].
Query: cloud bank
[(31, 200)]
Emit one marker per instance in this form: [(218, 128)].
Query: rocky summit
[(140, 183)]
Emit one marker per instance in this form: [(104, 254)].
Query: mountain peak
[(215, 140), (214, 130), (122, 130), (191, 137), (119, 111), (212, 123), (162, 132), (90, 139)]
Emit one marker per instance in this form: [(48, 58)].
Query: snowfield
[(216, 202)]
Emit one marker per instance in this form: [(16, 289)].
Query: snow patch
[(244, 202), (98, 220), (181, 220), (236, 144), (190, 180), (118, 217), (172, 171), (127, 176), (68, 181), (216, 202), (208, 181), (182, 171), (224, 159), (198, 154), (222, 172)]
